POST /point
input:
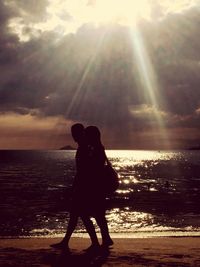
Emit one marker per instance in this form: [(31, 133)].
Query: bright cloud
[(66, 16)]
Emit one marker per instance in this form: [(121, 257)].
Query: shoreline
[(128, 235), (162, 251)]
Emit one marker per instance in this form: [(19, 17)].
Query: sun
[(121, 11), (97, 12)]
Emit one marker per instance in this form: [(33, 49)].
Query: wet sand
[(159, 252)]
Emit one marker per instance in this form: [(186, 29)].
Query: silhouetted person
[(78, 205), (96, 206)]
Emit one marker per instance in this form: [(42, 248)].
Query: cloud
[(32, 18), (29, 131), (144, 111)]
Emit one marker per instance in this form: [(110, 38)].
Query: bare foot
[(93, 248), (61, 245), (107, 243)]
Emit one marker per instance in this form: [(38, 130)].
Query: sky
[(130, 67)]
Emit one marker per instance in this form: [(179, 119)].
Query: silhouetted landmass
[(194, 148), (67, 148)]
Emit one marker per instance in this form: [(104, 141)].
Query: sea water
[(159, 193)]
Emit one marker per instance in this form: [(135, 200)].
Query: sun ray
[(149, 81), (85, 75)]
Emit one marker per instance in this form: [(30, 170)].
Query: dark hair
[(77, 131), (77, 127), (93, 135)]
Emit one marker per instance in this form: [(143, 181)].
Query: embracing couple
[(87, 200)]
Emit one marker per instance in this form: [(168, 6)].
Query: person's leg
[(90, 229), (103, 225), (70, 229)]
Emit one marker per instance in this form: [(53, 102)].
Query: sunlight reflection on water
[(159, 191), (126, 220)]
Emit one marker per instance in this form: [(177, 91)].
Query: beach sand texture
[(159, 252)]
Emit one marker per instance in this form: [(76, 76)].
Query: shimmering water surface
[(159, 192)]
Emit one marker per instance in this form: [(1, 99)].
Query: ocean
[(159, 193)]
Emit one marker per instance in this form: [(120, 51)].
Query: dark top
[(90, 161), (81, 168)]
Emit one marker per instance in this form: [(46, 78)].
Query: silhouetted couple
[(87, 200)]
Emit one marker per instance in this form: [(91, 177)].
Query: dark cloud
[(93, 76), (32, 10)]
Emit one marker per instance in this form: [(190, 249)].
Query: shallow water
[(158, 194)]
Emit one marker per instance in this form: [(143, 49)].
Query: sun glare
[(66, 16), (122, 11), (97, 12)]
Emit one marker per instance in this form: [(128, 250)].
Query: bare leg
[(90, 229), (103, 225), (70, 229)]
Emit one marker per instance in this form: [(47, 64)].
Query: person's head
[(92, 135), (77, 131)]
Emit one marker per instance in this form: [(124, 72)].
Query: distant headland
[(194, 148)]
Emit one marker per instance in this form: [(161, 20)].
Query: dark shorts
[(89, 206)]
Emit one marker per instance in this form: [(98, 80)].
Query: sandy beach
[(163, 251)]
